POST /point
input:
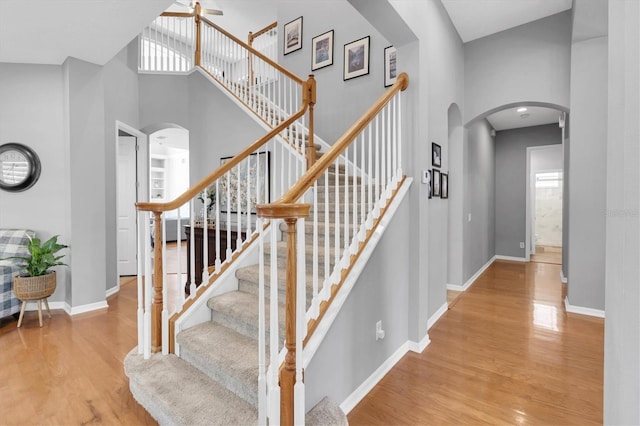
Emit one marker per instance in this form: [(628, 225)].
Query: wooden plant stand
[(34, 288)]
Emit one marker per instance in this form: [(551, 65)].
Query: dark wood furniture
[(198, 243)]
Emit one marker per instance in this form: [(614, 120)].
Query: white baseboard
[(76, 310), (356, 396), (562, 277), (420, 346), (435, 317), (471, 280), (581, 310), (112, 291), (511, 258)]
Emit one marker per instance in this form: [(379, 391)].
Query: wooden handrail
[(288, 209), (307, 180), (253, 51), (253, 36), (178, 14), (219, 172)]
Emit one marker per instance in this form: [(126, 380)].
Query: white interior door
[(126, 199)]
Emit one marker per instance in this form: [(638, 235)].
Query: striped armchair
[(13, 242)]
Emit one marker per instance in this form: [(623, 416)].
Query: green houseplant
[(36, 280), (42, 257)]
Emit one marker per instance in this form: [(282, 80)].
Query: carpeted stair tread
[(176, 393), (224, 355), (238, 310), (326, 413), (308, 248), (250, 274)]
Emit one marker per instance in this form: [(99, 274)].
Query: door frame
[(142, 164), (528, 219)]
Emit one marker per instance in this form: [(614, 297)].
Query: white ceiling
[(510, 118), (479, 18), (49, 31)]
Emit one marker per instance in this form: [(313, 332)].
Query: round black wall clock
[(19, 167)]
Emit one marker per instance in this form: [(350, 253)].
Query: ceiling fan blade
[(212, 12)]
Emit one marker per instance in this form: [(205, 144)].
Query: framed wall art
[(293, 36), (436, 155), (444, 185), (356, 58), (435, 179), (322, 51), (390, 69), (252, 173)]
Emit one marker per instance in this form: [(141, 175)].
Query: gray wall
[(120, 103), (333, 116), (480, 198), (510, 189), (622, 338), (587, 188), (350, 353), (217, 127), (529, 63), (32, 113)]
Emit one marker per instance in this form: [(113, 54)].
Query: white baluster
[(262, 381), (370, 185), (315, 306), (217, 226), (141, 252), (228, 248), (399, 96), (239, 205), (180, 301), (148, 288), (345, 257), (192, 248), (165, 291), (205, 238), (327, 253)]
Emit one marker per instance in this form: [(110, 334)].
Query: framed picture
[(322, 51), (435, 178), (436, 155), (444, 185), (356, 58), (426, 178), (390, 70), (252, 173), (293, 36)]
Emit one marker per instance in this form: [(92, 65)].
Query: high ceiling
[(49, 31), (479, 18)]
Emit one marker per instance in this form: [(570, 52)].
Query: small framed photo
[(356, 58), (390, 70), (435, 178), (293, 36), (436, 155), (444, 185), (426, 179), (322, 51)]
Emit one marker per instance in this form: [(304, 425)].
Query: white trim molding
[(421, 345), (581, 310), (562, 277), (471, 280), (510, 258), (356, 396), (435, 317), (76, 310), (113, 290)]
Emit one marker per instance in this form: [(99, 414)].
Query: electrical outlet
[(469, 217), (521, 244), (379, 331)]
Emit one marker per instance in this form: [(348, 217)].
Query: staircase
[(221, 375), (215, 379)]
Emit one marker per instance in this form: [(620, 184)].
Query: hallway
[(505, 353)]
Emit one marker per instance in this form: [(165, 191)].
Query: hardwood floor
[(505, 353), (69, 372), (547, 254)]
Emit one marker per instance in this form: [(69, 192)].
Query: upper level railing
[(177, 42), (223, 203), (346, 191)]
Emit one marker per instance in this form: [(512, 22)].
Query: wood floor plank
[(506, 352)]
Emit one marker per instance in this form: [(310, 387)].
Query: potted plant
[(36, 280)]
